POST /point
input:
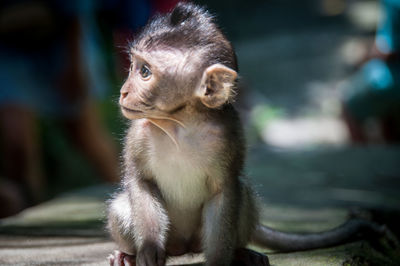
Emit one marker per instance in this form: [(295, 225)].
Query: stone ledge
[(69, 230)]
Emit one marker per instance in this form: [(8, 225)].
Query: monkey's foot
[(119, 258), (244, 256)]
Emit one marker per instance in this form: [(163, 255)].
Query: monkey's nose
[(124, 95)]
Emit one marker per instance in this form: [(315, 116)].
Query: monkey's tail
[(351, 230)]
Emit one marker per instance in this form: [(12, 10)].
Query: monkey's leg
[(248, 219), (219, 230), (138, 223), (221, 239)]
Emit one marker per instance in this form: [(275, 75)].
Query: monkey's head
[(178, 60)]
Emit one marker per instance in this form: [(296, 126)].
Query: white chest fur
[(181, 170)]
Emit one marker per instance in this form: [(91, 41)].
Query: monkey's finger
[(116, 259)]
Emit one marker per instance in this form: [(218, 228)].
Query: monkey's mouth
[(132, 111)]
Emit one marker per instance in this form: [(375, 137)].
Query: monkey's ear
[(217, 85)]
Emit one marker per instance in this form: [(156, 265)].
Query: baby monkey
[(183, 190)]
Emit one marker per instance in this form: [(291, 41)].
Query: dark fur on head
[(188, 27)]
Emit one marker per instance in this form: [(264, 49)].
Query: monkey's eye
[(145, 72)]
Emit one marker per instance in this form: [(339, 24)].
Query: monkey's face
[(163, 82), (159, 83)]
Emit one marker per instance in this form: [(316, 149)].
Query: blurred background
[(319, 96)]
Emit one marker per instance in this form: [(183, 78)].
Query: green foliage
[(261, 115)]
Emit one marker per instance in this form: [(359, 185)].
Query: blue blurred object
[(378, 74), (33, 56), (374, 92), (388, 33), (55, 62), (30, 80)]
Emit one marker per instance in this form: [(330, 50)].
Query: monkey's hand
[(119, 258), (150, 254)]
